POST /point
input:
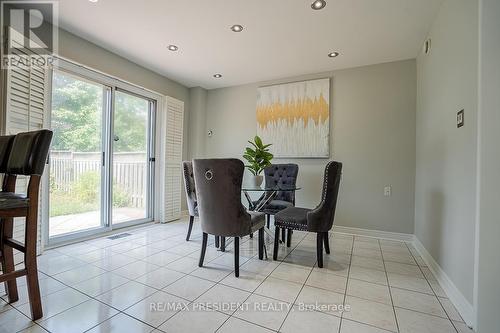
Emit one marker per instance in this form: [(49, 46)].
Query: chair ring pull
[(209, 175)]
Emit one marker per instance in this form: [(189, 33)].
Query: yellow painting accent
[(307, 109)]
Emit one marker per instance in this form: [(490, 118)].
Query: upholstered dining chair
[(27, 158), (218, 187), (192, 203), (319, 219), (280, 175)]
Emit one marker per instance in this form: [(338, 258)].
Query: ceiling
[(281, 38)]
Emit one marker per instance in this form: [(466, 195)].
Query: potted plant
[(258, 157)]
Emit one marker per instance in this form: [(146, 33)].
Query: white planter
[(256, 181)]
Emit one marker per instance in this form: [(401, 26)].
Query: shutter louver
[(25, 111), (173, 159)]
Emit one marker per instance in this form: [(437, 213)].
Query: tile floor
[(150, 282)]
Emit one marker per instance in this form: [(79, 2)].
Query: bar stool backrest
[(5, 149), (29, 153)]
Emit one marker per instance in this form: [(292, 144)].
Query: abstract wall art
[(295, 118)]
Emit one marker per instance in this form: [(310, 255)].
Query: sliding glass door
[(101, 159), (131, 157), (77, 175)]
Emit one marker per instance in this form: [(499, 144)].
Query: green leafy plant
[(258, 156)]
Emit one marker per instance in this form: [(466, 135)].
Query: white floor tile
[(57, 302), (299, 321), (34, 329), (263, 311), (371, 263), (47, 285), (157, 308), (279, 289), (371, 313), (184, 265), (189, 287), (160, 278), (403, 269), (409, 282), (79, 274), (79, 318), (349, 326), (367, 253), (415, 322), (121, 323), (154, 278), (237, 325), (368, 275), (100, 284), (114, 261), (195, 320), (418, 302), (162, 258), (262, 267), (223, 298), (136, 269), (142, 252), (126, 295), (331, 265), (13, 321), (327, 281), (247, 281), (321, 300), (212, 272), (369, 291), (291, 273)]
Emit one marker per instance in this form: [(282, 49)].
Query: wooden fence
[(129, 172)]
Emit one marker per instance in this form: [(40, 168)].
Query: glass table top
[(263, 188)]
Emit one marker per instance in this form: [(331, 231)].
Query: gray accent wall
[(197, 122), (372, 133), (445, 192)]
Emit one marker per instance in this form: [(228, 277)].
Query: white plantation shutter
[(173, 159), (26, 101)]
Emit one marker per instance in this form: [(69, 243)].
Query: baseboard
[(374, 233), (463, 306)]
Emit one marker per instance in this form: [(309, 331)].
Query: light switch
[(460, 118), (388, 191)]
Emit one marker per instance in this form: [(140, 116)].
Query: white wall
[(445, 191), (372, 133), (488, 292)]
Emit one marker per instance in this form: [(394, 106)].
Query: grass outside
[(64, 204)]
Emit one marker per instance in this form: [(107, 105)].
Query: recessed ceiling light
[(94, 1), (173, 48), (217, 76), (333, 54), (237, 28), (318, 4)]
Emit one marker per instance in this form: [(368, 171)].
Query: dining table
[(266, 194)]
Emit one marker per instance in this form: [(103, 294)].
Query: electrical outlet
[(388, 191)]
